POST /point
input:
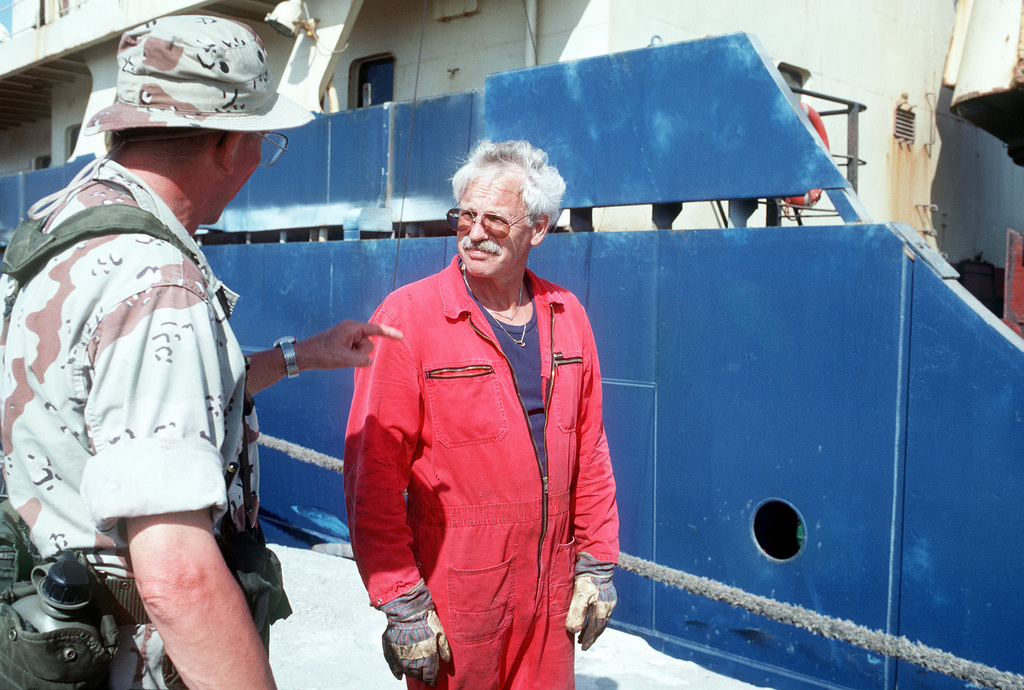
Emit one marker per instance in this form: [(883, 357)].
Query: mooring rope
[(300, 453), (826, 626), (833, 628)]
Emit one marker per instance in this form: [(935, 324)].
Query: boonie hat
[(195, 71)]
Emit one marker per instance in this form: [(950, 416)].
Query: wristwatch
[(288, 350)]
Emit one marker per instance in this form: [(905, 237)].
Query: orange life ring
[(810, 198)]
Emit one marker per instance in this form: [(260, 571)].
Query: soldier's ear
[(227, 149)]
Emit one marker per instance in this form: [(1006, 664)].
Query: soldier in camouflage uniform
[(123, 384)]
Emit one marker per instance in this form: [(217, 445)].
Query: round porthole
[(778, 529)]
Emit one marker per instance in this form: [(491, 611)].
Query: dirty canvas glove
[(414, 637), (593, 598)]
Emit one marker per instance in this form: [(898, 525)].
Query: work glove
[(414, 637), (593, 598)]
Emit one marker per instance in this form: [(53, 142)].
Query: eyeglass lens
[(462, 220), (271, 148)]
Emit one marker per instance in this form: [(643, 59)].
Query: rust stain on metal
[(1013, 287)]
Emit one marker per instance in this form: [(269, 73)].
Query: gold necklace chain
[(518, 304), (521, 341)]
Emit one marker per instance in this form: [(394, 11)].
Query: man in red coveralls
[(487, 415)]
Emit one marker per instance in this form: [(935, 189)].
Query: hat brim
[(284, 113)]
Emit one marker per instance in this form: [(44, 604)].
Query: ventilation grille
[(903, 127)]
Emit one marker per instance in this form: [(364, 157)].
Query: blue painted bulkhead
[(837, 370), (824, 367)]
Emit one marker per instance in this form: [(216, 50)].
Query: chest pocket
[(566, 391), (466, 405)]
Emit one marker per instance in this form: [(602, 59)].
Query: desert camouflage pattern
[(195, 71), (122, 390)]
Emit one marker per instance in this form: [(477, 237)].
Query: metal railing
[(851, 109), (20, 16)]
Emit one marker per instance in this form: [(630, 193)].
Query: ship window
[(778, 529), (40, 162), (70, 140), (373, 81)]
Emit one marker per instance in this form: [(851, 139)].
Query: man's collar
[(456, 299)]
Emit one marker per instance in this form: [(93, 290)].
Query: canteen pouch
[(61, 659)]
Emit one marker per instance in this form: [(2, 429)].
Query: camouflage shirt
[(122, 384)]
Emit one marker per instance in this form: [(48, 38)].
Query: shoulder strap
[(30, 248), (17, 553)]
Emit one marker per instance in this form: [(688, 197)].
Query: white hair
[(542, 186)]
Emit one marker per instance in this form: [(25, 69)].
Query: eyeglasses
[(273, 145), (462, 220)]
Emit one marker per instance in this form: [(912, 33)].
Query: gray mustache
[(489, 246)]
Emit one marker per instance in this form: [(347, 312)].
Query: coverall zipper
[(547, 418), (526, 416)]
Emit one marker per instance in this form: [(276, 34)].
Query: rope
[(300, 453), (832, 628), (826, 626)]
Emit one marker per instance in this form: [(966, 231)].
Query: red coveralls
[(438, 414)]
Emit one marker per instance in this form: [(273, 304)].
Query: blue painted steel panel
[(293, 192), (12, 201), (358, 158), (631, 422), (964, 545), (614, 276), (289, 194), (674, 123), (717, 399), (780, 379), (689, 121), (39, 183), (19, 192), (73, 167), (430, 137)]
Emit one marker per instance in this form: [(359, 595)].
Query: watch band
[(288, 350)]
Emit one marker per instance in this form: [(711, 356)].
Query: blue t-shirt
[(525, 363)]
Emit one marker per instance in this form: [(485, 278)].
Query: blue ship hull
[(827, 369)]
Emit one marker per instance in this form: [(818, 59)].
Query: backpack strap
[(30, 248), (17, 553)]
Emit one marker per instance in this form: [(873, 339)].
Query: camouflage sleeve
[(162, 383)]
